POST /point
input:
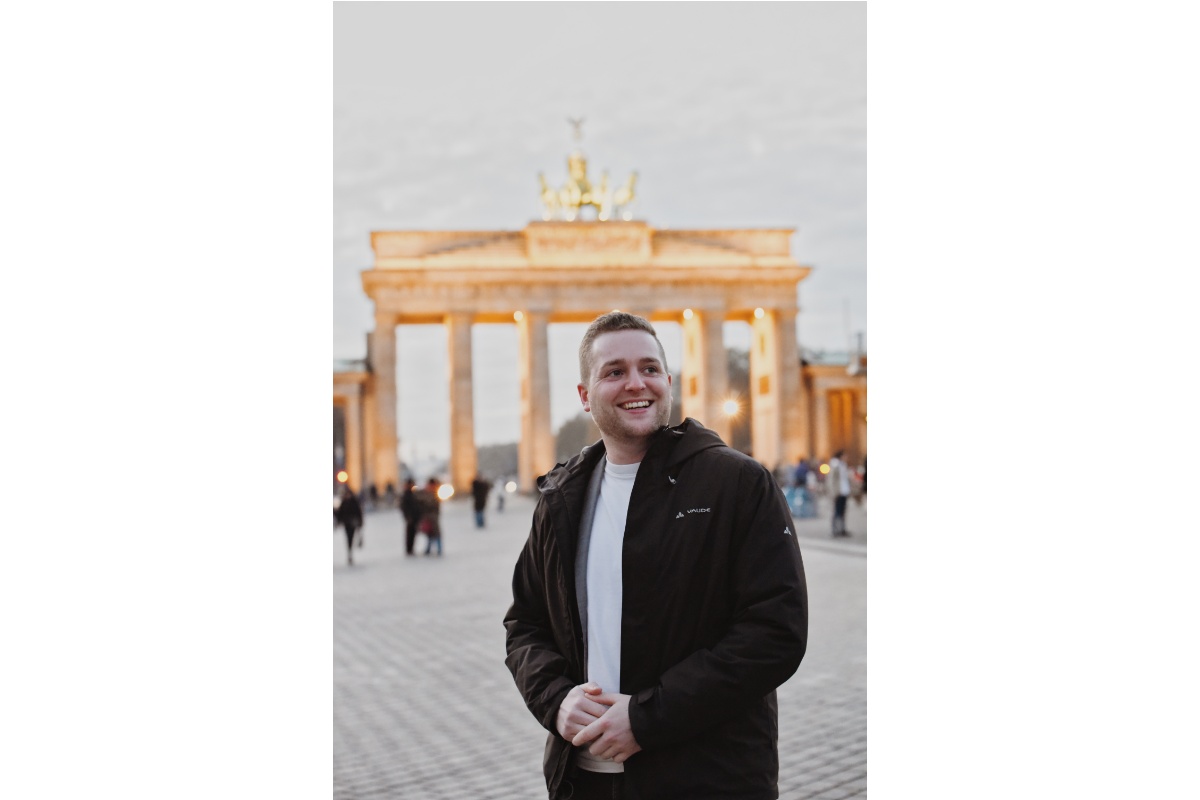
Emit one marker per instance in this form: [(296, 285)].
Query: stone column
[(860, 421), (765, 428), (793, 413), (354, 439), (463, 457), (691, 372), (535, 452), (715, 389), (821, 422), (384, 455), (370, 426)]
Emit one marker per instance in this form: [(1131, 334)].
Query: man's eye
[(653, 370)]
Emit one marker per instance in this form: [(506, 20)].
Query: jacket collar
[(669, 446)]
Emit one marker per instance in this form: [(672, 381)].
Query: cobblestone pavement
[(423, 706)]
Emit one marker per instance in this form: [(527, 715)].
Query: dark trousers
[(594, 785), (410, 535), (839, 515)]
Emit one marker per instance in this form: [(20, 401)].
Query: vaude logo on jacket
[(694, 511)]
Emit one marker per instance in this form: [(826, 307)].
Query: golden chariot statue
[(568, 202)]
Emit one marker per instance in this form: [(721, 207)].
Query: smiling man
[(660, 598)]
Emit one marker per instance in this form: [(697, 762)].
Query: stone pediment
[(581, 244), (424, 249), (588, 243)]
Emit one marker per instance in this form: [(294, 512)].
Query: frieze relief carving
[(591, 244), (588, 244)]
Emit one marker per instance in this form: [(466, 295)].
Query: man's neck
[(622, 451)]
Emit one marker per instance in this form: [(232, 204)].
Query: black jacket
[(409, 506), (349, 513), (479, 491), (714, 617)]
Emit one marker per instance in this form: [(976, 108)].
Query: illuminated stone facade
[(562, 271)]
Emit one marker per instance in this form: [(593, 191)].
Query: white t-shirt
[(841, 476), (604, 592)]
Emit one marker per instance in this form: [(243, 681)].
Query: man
[(660, 598), (350, 516), (479, 494), (410, 508), (800, 477), (430, 505), (805, 507), (839, 480)]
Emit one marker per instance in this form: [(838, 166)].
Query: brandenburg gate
[(565, 269)]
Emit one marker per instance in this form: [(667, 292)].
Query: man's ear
[(583, 397)]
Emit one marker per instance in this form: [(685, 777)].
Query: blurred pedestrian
[(500, 497), (349, 515), (479, 492), (373, 494), (431, 512), (839, 483), (805, 506), (411, 510), (800, 476)]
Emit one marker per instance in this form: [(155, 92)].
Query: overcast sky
[(733, 115)]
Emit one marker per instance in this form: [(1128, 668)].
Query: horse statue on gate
[(569, 201)]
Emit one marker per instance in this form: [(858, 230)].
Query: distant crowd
[(420, 508), (803, 483)]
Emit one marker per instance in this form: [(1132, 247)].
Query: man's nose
[(635, 380)]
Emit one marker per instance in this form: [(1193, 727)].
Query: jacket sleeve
[(766, 638), (535, 659)]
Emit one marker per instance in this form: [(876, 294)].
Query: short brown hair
[(607, 323)]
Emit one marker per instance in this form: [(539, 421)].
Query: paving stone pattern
[(423, 706)]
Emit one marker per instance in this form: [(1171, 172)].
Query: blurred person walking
[(349, 515), (800, 476), (479, 492), (411, 510), (431, 511), (839, 483), (805, 505), (660, 599)]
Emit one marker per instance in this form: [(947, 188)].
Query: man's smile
[(632, 404)]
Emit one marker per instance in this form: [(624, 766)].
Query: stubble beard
[(612, 426)]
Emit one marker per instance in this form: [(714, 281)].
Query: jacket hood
[(675, 445), (684, 441)]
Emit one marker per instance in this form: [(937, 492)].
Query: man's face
[(629, 390)]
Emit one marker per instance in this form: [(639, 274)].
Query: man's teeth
[(636, 404)]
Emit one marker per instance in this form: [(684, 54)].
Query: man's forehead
[(626, 344)]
